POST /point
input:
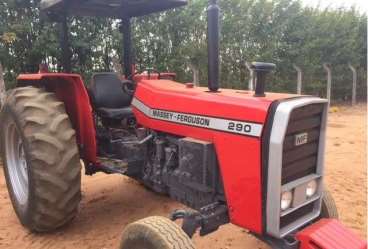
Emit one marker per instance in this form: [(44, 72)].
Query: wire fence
[(340, 84)]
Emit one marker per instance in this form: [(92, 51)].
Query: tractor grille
[(290, 218), (295, 157), (300, 161)]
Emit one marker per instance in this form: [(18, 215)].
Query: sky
[(361, 4)]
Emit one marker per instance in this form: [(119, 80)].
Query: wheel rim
[(16, 163)]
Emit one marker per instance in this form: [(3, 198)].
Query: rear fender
[(70, 89)]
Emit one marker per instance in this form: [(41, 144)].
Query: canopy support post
[(66, 55), (126, 30)]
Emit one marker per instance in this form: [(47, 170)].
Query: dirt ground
[(111, 202)]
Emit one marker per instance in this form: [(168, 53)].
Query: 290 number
[(240, 127)]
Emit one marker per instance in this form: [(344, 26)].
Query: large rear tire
[(155, 233), (41, 159)]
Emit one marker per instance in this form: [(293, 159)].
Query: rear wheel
[(41, 159), (329, 209), (155, 233)]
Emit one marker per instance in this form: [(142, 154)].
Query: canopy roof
[(109, 8)]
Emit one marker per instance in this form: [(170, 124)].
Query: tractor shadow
[(121, 200), (109, 203)]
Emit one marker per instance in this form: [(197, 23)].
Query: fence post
[(300, 79), (251, 77), (327, 68), (2, 87), (117, 66), (353, 96), (195, 73)]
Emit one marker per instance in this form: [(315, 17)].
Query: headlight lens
[(311, 188), (286, 200)]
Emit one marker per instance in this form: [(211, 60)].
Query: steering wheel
[(128, 87)]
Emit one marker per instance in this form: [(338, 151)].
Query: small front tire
[(329, 209), (155, 233)]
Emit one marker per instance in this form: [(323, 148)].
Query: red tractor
[(253, 159)]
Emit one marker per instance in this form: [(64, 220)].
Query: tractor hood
[(109, 8), (186, 98)]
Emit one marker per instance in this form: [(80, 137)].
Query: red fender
[(329, 234), (70, 89)]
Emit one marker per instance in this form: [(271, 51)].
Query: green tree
[(278, 31)]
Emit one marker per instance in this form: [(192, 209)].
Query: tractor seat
[(108, 98), (112, 113)]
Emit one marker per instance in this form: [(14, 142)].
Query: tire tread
[(329, 209), (170, 235), (54, 157)]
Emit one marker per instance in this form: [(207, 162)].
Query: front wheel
[(155, 233), (328, 209), (41, 159)]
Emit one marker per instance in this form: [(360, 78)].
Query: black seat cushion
[(113, 113), (108, 98)]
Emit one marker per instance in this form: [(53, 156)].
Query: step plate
[(114, 165)]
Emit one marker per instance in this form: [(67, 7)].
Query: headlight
[(311, 188), (286, 200)]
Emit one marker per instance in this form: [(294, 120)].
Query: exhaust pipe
[(213, 44)]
